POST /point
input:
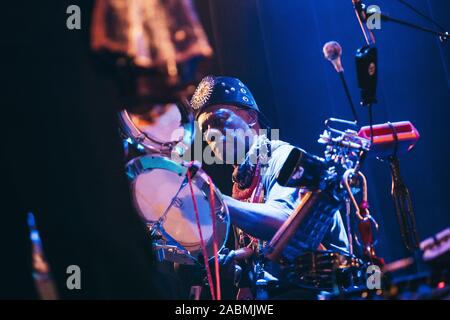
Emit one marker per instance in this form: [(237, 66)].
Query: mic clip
[(367, 72)]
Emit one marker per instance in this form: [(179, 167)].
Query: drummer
[(225, 108)]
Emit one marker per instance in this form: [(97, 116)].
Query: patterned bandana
[(222, 90)]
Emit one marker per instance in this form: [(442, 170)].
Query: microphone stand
[(349, 97), (332, 51), (403, 207), (400, 193), (443, 35)]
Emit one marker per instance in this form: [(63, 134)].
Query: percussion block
[(391, 138)]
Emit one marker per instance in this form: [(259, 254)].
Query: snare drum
[(162, 129), (163, 199)]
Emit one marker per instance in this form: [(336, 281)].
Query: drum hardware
[(262, 289), (330, 183), (350, 149), (346, 147), (325, 270), (389, 141), (367, 225), (171, 253), (348, 212), (191, 171), (247, 255), (403, 207), (324, 180), (164, 251), (262, 284)]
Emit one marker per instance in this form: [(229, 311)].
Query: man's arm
[(261, 220)]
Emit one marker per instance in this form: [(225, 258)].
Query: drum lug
[(159, 254)]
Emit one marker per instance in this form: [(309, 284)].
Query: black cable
[(418, 12), (395, 134), (349, 97), (370, 123)]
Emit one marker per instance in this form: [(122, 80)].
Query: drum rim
[(153, 145)]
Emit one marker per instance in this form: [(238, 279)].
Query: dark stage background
[(62, 159), (276, 48)]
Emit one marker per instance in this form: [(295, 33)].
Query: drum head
[(154, 191), (160, 129), (160, 189)]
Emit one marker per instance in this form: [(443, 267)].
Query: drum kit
[(175, 199), (159, 186)]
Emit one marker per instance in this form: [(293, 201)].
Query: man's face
[(229, 131)]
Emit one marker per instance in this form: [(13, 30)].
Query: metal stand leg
[(403, 207), (195, 293), (349, 227)]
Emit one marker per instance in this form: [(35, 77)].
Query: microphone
[(366, 58), (332, 51)]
